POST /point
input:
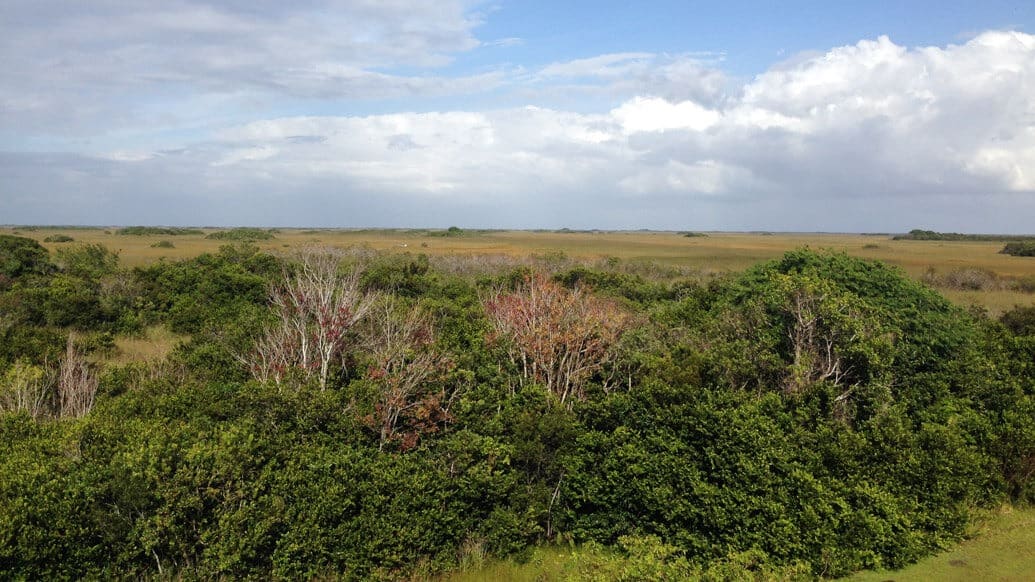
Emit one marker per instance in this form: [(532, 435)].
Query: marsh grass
[(151, 345), (652, 251)]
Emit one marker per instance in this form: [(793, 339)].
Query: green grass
[(151, 345), (1003, 549), (545, 563)]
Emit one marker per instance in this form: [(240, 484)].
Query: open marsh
[(714, 253)]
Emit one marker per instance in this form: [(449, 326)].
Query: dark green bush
[(1020, 320), (1019, 249), (727, 443), (91, 261), (21, 256)]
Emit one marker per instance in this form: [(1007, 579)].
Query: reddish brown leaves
[(558, 337), (406, 368)]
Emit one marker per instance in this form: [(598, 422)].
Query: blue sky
[(752, 35), (668, 115)]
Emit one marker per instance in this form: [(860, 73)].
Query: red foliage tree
[(558, 337), (404, 367)]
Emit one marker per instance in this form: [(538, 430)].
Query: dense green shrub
[(1020, 249), (208, 290), (1020, 320), (58, 238), (88, 260), (817, 414), (21, 256)]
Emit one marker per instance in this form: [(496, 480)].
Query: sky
[(682, 115)]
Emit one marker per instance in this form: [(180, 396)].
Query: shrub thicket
[(157, 230), (816, 415), (242, 235), (1019, 249)]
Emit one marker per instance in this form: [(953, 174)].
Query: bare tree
[(405, 363), (558, 337), (27, 388), (41, 392), (830, 340), (317, 306), (77, 384), (814, 341)]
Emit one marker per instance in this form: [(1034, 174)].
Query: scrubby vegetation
[(453, 231), (157, 231), (245, 234), (163, 244), (58, 238), (919, 234), (356, 415), (1019, 249), (977, 279)]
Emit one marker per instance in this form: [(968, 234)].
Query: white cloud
[(83, 67), (253, 154), (610, 65), (654, 114), (872, 136)]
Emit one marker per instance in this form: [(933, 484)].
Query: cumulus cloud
[(871, 136)]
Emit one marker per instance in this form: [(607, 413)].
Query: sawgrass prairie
[(1003, 281)]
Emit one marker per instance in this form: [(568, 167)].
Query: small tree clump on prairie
[(242, 235), (161, 231), (58, 238), (1019, 249), (557, 337), (157, 231), (815, 415)]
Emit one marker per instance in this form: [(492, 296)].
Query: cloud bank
[(870, 136)]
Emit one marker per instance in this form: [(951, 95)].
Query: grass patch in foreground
[(1003, 549), (546, 563)]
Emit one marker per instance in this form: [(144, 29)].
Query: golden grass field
[(717, 252)]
